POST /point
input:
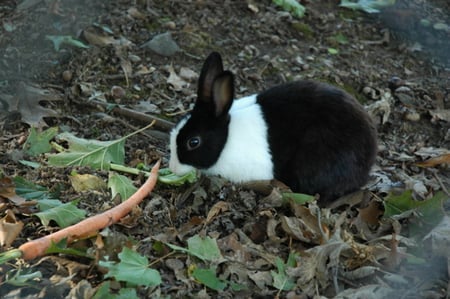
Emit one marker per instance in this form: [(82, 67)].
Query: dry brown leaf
[(371, 213), (87, 182), (98, 40), (27, 101), (218, 208), (440, 114), (7, 190), (175, 81), (433, 162), (10, 228), (127, 69)]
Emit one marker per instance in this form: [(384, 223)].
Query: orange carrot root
[(91, 225)]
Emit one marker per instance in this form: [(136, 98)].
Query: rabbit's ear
[(223, 93), (212, 68)]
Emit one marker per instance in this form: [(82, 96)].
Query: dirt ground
[(396, 63)]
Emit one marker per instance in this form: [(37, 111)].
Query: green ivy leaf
[(88, 152), (208, 278), (205, 249), (59, 40), (120, 184), (63, 214), (39, 143), (132, 268)]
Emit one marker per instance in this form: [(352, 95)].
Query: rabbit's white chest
[(246, 155)]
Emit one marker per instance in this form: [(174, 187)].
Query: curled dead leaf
[(433, 162), (218, 208), (10, 228)]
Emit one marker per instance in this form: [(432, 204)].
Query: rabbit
[(311, 136)]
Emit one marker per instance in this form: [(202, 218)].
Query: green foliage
[(166, 176), (63, 214), (120, 184), (133, 268), (430, 210), (61, 247), (31, 191), (59, 40), (103, 292), (39, 143), (205, 249), (297, 198), (292, 6), (281, 280), (89, 152), (369, 6), (22, 278), (208, 278)]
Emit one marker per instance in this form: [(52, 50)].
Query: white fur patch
[(174, 163), (246, 155)]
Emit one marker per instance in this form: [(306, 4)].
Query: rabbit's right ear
[(212, 68)]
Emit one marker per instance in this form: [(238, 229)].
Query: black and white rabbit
[(311, 136)]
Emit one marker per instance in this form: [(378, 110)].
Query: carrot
[(91, 225)]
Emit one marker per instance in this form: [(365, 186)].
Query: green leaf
[(369, 6), (297, 198), (292, 6), (61, 247), (208, 278), (64, 214), (166, 176), (104, 292), (31, 164), (333, 51), (29, 190), (39, 143), (281, 280), (122, 185), (430, 209), (23, 278), (88, 152), (132, 268), (59, 40), (205, 249)]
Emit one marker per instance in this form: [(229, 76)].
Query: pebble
[(67, 75), (162, 44), (117, 92)]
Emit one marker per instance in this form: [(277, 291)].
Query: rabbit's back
[(321, 139)]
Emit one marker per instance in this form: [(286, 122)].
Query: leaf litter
[(370, 245)]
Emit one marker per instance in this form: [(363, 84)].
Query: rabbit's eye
[(194, 142)]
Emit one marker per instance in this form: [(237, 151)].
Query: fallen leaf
[(10, 228), (86, 182), (219, 207), (433, 162), (98, 40), (8, 191), (371, 213), (437, 240), (175, 81), (27, 103)]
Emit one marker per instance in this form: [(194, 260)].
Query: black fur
[(321, 139)]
